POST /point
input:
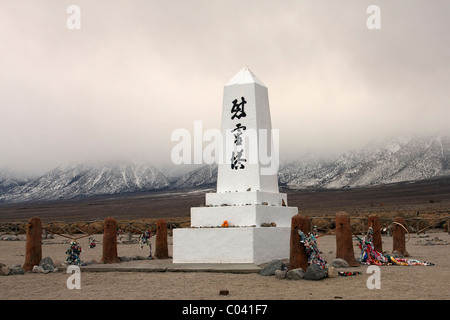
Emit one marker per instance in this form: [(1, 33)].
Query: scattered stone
[(295, 274), (269, 269), (266, 224), (47, 265), (315, 272), (430, 242), (17, 269), (224, 292), (332, 272), (37, 269), (339, 263), (4, 270), (280, 274), (124, 259), (9, 237)]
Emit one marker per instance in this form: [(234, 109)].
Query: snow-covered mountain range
[(398, 160), (82, 180), (405, 159)]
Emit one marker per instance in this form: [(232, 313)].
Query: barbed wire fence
[(81, 229), (414, 224)]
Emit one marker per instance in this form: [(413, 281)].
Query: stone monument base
[(230, 245)]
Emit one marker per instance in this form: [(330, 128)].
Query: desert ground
[(397, 282)]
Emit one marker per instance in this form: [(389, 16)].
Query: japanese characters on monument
[(238, 112)]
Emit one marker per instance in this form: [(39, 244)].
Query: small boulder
[(4, 270), (332, 272), (315, 272), (339, 263), (224, 292), (17, 269), (47, 265), (37, 269), (269, 269), (280, 274), (295, 274)]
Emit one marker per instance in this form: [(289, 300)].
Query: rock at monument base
[(295, 274), (17, 269), (339, 263), (47, 264), (37, 269), (4, 270), (271, 267), (315, 272), (332, 272), (280, 274)]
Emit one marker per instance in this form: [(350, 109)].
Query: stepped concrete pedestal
[(247, 195)]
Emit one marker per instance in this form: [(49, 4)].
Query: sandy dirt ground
[(397, 282)]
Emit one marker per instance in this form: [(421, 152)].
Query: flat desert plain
[(419, 199), (396, 282)]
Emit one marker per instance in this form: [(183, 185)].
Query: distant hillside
[(406, 159)]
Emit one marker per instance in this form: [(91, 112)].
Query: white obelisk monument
[(247, 196)]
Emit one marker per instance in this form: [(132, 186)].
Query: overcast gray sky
[(137, 70)]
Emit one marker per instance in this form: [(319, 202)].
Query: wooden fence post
[(162, 248), (33, 250), (110, 241), (398, 235), (344, 243), (374, 222), (297, 255)]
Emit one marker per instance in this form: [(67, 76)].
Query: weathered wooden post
[(344, 243), (110, 241), (33, 250), (162, 248), (297, 252), (374, 222), (398, 235)]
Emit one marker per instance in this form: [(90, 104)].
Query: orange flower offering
[(225, 224)]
